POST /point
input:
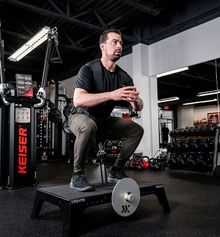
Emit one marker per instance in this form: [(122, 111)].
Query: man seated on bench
[(100, 86)]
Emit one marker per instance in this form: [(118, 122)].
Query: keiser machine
[(22, 133), (19, 165)]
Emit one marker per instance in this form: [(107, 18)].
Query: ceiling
[(187, 84), (80, 22)]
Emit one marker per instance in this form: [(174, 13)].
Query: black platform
[(73, 203)]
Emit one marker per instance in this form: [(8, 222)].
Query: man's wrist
[(138, 104)]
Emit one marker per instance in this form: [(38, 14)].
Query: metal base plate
[(125, 197)]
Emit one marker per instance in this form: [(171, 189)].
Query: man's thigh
[(116, 127)]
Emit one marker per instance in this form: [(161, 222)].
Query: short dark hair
[(104, 36)]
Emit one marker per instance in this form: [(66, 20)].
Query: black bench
[(73, 203)]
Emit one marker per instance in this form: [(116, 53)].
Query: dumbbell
[(185, 146), (201, 161), (177, 146), (172, 163), (192, 131), (191, 160), (180, 161), (211, 144), (203, 145), (193, 145), (202, 129), (170, 147)]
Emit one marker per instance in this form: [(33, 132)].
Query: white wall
[(126, 63), (193, 46), (187, 114), (201, 112)]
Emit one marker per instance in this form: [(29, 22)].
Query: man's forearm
[(87, 100), (138, 104), (84, 99)]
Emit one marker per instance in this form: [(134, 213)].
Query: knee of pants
[(139, 130), (89, 128), (82, 124)]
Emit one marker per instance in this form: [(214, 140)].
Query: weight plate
[(125, 197)]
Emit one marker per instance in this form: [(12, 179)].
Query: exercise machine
[(20, 161)]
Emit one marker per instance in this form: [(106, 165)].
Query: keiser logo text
[(22, 150)]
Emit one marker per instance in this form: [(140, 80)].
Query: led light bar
[(34, 42), (200, 102), (205, 93), (168, 99), (172, 72)]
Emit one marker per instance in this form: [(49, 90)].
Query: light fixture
[(168, 99), (35, 41), (205, 93), (172, 72), (200, 102)]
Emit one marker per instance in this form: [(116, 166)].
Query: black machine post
[(3, 161), (216, 160), (21, 170), (3, 175), (57, 125)]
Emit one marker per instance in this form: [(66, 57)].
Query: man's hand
[(130, 94), (127, 93)]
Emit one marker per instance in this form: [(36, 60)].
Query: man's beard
[(115, 58)]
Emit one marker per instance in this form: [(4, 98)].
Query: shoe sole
[(86, 189), (113, 180)]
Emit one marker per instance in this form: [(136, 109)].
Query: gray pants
[(86, 128)]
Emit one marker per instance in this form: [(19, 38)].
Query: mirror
[(198, 101)]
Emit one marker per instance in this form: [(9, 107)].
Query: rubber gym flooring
[(194, 199)]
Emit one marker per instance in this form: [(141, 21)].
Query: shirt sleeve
[(126, 79), (84, 78)]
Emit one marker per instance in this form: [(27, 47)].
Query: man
[(164, 133), (99, 87)]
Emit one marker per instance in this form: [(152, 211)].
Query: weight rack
[(195, 148)]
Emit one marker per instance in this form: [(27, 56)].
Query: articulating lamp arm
[(52, 38)]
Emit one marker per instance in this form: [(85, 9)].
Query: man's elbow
[(77, 102), (79, 97)]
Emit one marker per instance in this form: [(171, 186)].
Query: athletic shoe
[(115, 174), (79, 182)]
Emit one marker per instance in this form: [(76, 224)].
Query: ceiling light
[(205, 93), (168, 99), (172, 72), (200, 102), (35, 41)]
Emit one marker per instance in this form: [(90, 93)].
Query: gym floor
[(194, 199)]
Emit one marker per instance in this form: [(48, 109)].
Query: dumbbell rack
[(195, 148)]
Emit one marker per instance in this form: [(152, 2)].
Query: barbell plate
[(125, 197)]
